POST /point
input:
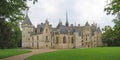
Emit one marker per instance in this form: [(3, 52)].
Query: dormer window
[(41, 29), (72, 40)]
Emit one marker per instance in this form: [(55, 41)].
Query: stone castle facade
[(63, 36)]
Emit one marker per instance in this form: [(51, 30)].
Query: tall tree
[(11, 12), (112, 35), (108, 32)]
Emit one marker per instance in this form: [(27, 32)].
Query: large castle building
[(62, 36)]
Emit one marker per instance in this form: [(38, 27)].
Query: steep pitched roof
[(87, 24), (27, 21)]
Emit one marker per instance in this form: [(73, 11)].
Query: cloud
[(92, 11), (79, 11)]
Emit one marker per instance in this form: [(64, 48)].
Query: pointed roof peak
[(27, 21), (87, 24)]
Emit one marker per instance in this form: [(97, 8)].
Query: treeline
[(111, 35)]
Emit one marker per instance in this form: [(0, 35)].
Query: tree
[(113, 7), (11, 13), (108, 32), (112, 35)]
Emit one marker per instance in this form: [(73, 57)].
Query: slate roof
[(87, 24), (68, 30), (27, 21), (63, 29), (41, 27)]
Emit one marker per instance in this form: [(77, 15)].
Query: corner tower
[(27, 29)]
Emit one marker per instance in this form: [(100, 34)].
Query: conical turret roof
[(27, 21)]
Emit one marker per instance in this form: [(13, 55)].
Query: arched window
[(57, 40), (64, 39), (72, 40)]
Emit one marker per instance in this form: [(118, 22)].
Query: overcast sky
[(79, 11)]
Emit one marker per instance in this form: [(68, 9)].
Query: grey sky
[(79, 11)]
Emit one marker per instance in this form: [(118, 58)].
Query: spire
[(67, 24)]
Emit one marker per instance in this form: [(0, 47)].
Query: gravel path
[(23, 56)]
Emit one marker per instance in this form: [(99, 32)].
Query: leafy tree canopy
[(11, 13), (113, 7), (111, 36)]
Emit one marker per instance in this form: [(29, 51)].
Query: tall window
[(32, 38), (46, 38), (72, 40), (64, 39), (32, 41), (37, 41), (35, 31), (37, 37), (86, 38), (57, 40)]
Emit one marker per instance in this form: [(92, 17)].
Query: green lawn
[(11, 52), (106, 53)]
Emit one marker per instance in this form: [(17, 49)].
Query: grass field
[(11, 52), (106, 53)]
